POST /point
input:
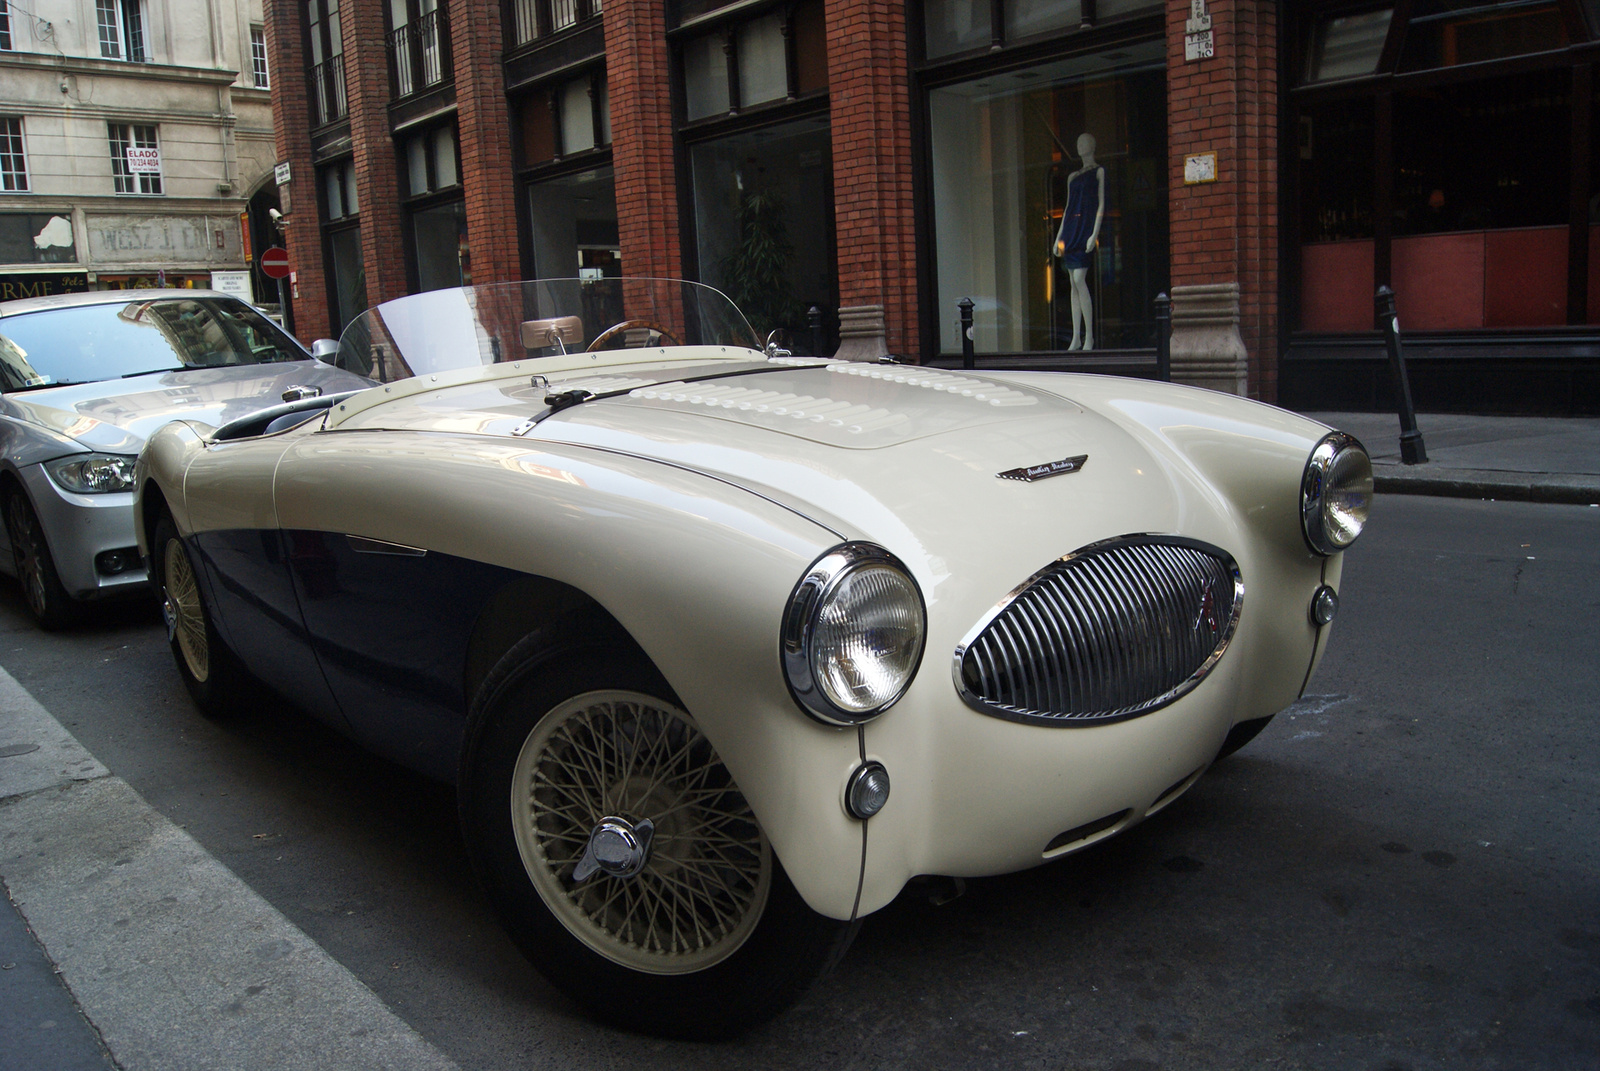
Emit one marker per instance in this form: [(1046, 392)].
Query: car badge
[(1030, 473), (1208, 609)]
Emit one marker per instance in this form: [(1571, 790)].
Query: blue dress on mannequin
[(1077, 222)]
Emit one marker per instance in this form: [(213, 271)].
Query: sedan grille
[(1111, 631)]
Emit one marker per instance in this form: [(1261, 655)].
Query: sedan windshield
[(89, 343)]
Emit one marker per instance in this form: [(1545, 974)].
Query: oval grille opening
[(1111, 631)]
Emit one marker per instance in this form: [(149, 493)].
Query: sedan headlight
[(93, 474), (1335, 493), (853, 634)]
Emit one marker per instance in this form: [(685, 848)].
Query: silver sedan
[(84, 380)]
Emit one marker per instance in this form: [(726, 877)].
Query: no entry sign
[(275, 262)]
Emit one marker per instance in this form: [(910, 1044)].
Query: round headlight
[(1335, 493), (853, 634)]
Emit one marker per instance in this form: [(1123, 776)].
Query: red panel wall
[(1438, 281), (1525, 277), (1336, 286)]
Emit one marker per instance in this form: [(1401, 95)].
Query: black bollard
[(968, 360), (1412, 450), (814, 319), (1163, 338)]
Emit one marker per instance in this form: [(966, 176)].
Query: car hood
[(919, 459), (117, 416)]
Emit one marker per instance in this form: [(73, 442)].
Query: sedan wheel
[(49, 602), (620, 853)]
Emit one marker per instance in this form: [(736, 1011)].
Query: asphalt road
[(1402, 872)]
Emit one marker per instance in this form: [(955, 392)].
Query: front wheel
[(206, 665), (622, 856), (47, 599)]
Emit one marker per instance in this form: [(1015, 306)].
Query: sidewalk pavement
[(1528, 459)]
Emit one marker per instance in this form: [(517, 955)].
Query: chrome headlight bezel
[(822, 583), (93, 474), (1338, 472)]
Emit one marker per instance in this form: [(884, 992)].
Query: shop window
[(135, 158), (1024, 18), (440, 236), (348, 278), (763, 213), (574, 221), (953, 26), (1111, 9), (1445, 33), (121, 29), (13, 160), (339, 190), (1347, 46), (779, 54), (36, 238), (259, 76), (1002, 156), (1336, 152)]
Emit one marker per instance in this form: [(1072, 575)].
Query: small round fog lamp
[(867, 790), (1324, 605)]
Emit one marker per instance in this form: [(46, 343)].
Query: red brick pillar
[(870, 102), (638, 73), (1225, 233), (291, 123), (483, 126), (366, 81)]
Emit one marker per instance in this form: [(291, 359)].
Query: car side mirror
[(325, 350)]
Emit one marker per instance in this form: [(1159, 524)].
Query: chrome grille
[(1111, 631)]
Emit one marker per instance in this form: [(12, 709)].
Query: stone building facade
[(136, 144)]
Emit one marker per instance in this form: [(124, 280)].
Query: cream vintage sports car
[(722, 646)]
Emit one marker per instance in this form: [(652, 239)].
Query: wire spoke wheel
[(705, 883), (185, 615)]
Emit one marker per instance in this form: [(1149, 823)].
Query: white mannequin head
[(1086, 146)]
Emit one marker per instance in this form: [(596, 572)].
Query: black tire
[(1241, 734), (209, 670), (47, 599), (760, 946)]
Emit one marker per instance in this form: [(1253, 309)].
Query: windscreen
[(444, 330), (90, 343)]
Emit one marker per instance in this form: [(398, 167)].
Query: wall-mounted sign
[(1201, 168), (143, 161), (1198, 43), (280, 173), (234, 282)]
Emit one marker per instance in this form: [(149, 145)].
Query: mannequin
[(1079, 236)]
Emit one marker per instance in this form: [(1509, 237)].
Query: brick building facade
[(850, 171)]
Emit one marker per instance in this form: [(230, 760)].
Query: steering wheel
[(627, 325)]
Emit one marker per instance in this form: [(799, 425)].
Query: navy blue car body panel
[(375, 643)]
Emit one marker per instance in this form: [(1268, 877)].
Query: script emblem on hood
[(1030, 473)]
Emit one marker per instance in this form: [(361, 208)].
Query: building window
[(339, 190), (566, 119), (121, 29), (135, 158), (431, 161), (574, 220), (1004, 160), (437, 213), (779, 54), (348, 279), (419, 46), (533, 19), (5, 27), (327, 60), (258, 58), (13, 160)]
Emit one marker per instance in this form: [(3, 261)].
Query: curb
[(1559, 488)]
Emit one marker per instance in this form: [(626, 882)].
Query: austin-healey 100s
[(721, 646)]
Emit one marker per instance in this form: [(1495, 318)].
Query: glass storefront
[(349, 276), (763, 209), (574, 221), (1004, 147), (440, 233)]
